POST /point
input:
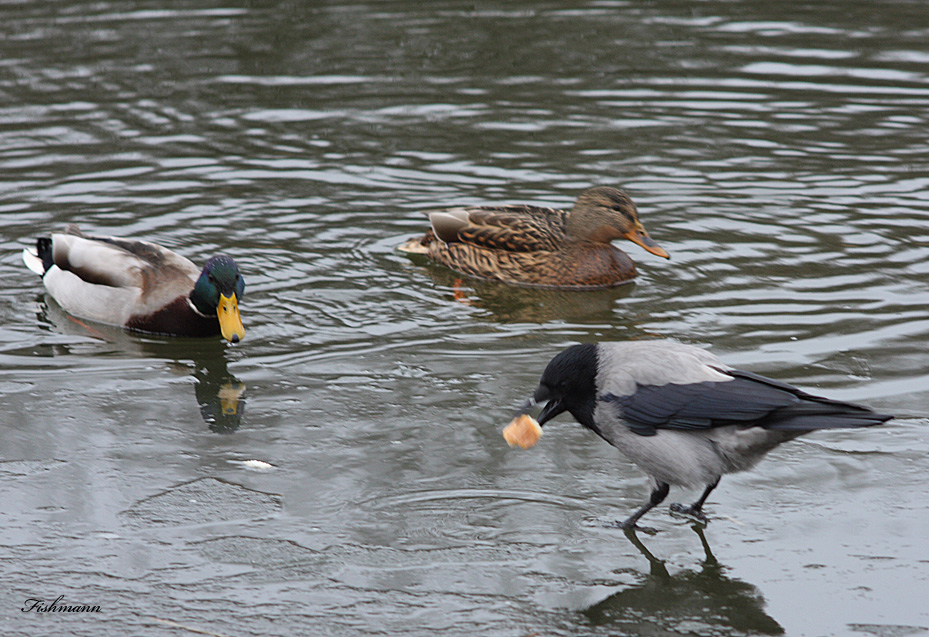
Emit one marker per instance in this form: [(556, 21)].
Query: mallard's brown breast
[(178, 319)]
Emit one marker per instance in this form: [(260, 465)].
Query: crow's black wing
[(747, 399)]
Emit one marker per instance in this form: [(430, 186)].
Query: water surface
[(777, 151)]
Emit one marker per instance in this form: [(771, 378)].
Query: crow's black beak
[(551, 409)]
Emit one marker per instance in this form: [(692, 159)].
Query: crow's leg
[(695, 509), (657, 497)]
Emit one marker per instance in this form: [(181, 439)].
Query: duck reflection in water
[(686, 602), (511, 304), (220, 395)]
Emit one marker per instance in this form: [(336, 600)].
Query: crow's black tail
[(809, 416), (813, 412)]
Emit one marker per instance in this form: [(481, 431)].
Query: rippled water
[(776, 150)]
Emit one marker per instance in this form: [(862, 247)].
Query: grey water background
[(778, 151)]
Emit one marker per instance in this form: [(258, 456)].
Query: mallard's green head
[(218, 291)]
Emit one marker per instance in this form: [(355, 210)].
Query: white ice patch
[(258, 465)]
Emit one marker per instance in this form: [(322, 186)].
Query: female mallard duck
[(139, 285), (529, 245)]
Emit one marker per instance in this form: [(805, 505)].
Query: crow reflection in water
[(663, 603)]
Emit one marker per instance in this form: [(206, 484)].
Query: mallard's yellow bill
[(230, 323), (229, 397)]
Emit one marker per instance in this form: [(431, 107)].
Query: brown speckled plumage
[(535, 246)]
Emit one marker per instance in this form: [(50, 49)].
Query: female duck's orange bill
[(640, 237)]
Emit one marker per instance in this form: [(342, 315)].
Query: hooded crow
[(682, 415)]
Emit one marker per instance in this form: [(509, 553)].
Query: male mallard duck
[(139, 285), (529, 245)]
